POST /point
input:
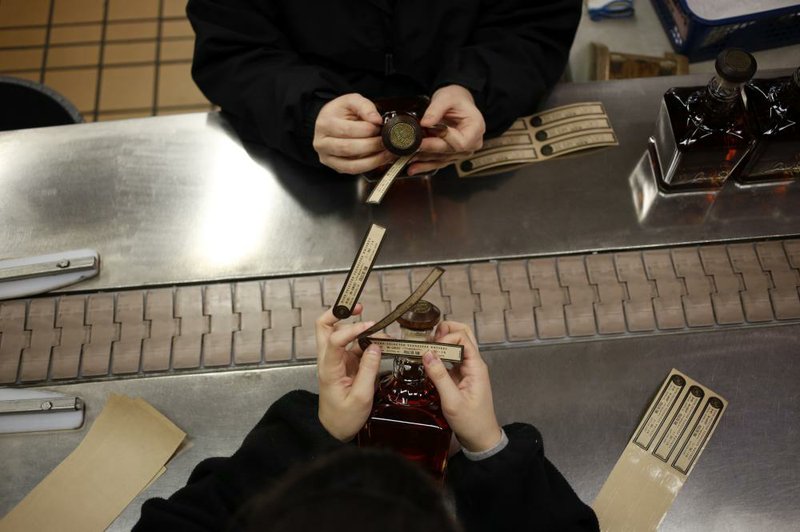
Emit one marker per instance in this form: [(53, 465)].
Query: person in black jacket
[(299, 75), (294, 472)]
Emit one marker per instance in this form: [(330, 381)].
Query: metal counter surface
[(177, 199), (586, 398)]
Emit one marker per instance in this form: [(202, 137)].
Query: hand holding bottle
[(347, 135), (454, 106), (346, 384), (466, 394)]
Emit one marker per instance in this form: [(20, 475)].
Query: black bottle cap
[(421, 317), (735, 65)]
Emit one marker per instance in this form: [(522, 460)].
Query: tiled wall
[(113, 59)]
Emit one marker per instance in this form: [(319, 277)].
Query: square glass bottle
[(406, 412), (702, 135)]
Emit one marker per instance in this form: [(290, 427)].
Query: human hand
[(465, 392), (347, 135), (454, 106), (346, 384)]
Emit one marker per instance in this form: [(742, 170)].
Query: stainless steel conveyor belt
[(508, 303)]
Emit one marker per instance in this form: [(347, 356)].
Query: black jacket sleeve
[(289, 433), (245, 64), (515, 55), (516, 489)]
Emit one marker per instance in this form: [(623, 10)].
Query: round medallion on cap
[(402, 134)]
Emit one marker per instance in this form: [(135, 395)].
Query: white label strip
[(359, 272), (702, 430), (377, 194), (567, 111), (515, 155), (415, 349), (659, 412), (591, 140), (679, 423), (657, 461), (574, 126), (517, 139)]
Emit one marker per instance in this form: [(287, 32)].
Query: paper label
[(566, 112), (415, 349), (418, 293), (376, 196), (549, 134), (659, 457), (359, 271)]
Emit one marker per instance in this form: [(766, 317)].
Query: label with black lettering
[(359, 271), (699, 436), (657, 415), (676, 427), (580, 142), (567, 111), (415, 349), (380, 190), (573, 126)]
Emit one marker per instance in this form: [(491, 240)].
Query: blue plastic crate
[(700, 29)]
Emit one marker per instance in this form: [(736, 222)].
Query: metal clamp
[(40, 405), (34, 275)]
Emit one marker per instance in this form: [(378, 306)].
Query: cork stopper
[(421, 317)]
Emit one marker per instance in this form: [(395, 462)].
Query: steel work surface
[(585, 397), (178, 201)]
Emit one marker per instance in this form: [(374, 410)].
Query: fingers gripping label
[(415, 349)]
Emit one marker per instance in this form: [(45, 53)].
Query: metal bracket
[(40, 405), (34, 275)]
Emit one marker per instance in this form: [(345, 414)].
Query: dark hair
[(351, 490)]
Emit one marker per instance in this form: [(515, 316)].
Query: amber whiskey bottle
[(406, 413), (773, 106), (702, 135)]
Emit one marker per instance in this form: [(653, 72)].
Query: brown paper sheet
[(659, 456), (123, 453)]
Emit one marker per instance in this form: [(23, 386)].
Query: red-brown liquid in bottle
[(406, 411), (707, 151), (773, 106), (407, 418), (702, 135)]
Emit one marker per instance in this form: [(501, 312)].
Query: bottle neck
[(719, 99), (409, 371)]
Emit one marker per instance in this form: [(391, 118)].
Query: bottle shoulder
[(774, 107), (693, 126)]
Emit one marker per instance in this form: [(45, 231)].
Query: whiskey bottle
[(773, 106), (406, 412), (702, 135)]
